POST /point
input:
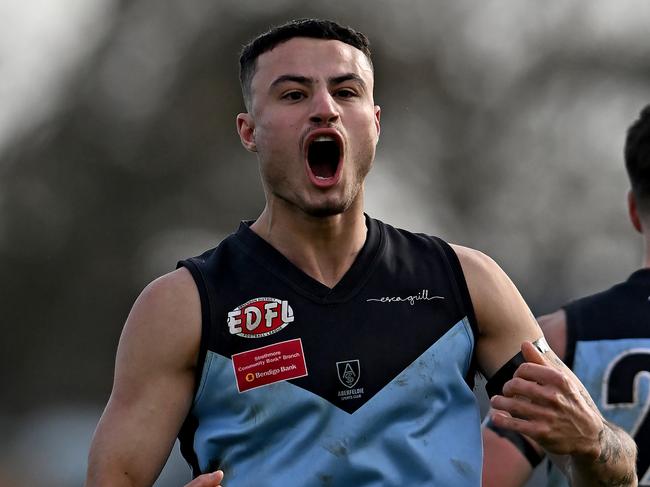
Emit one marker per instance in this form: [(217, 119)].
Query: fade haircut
[(312, 28), (637, 159)]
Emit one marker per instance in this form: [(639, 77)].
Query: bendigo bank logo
[(259, 317)]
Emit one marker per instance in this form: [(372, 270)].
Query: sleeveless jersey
[(608, 348), (365, 384)]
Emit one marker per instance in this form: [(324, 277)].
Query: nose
[(324, 108)]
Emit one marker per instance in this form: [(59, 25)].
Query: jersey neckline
[(275, 262)]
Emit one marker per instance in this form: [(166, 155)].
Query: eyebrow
[(304, 80)]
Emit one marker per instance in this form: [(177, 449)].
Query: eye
[(293, 96), (346, 93)]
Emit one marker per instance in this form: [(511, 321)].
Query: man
[(604, 338), (316, 345)]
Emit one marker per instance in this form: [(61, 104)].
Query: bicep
[(152, 389), (503, 317)]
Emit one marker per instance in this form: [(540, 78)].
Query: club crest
[(348, 372)]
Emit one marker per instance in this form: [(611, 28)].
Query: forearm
[(128, 450), (99, 477), (614, 466), (109, 466)]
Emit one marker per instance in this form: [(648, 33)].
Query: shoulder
[(170, 297), (166, 318), (485, 279), (170, 290), (474, 260)]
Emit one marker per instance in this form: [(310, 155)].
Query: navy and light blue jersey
[(368, 383), (608, 348)]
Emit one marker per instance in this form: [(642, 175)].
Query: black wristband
[(494, 386)]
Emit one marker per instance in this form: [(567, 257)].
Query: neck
[(642, 225), (322, 247)]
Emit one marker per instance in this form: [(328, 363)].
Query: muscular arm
[(544, 400), (153, 385), (504, 319)]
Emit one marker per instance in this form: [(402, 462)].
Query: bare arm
[(153, 385), (544, 400), (504, 464), (504, 319)]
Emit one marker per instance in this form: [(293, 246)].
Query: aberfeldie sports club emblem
[(349, 372)]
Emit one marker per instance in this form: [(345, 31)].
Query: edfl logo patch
[(260, 317)]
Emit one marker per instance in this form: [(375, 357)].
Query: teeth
[(324, 138)]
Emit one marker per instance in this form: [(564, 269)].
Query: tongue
[(322, 169), (323, 159)]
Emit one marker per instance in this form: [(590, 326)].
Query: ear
[(377, 117), (246, 131), (634, 212)]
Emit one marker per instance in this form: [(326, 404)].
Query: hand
[(212, 479), (545, 401)]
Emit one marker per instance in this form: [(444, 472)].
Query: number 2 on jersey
[(621, 384)]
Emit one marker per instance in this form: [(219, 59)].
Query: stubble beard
[(322, 210), (280, 188), (337, 206)]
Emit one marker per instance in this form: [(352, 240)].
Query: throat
[(324, 249), (327, 271)]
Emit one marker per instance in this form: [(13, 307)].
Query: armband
[(519, 442), (494, 386)]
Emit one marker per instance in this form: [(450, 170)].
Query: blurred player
[(605, 339)]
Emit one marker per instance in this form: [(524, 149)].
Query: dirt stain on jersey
[(339, 449), (464, 468), (325, 480)]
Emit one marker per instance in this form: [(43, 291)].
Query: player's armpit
[(153, 385)]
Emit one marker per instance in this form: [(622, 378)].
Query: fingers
[(532, 354), (547, 403), (541, 374), (538, 383), (533, 429), (212, 479), (530, 390), (521, 408)]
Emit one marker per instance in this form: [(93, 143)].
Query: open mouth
[(323, 158)]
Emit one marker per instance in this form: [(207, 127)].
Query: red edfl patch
[(260, 317)]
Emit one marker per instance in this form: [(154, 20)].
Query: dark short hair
[(313, 28), (637, 159)]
